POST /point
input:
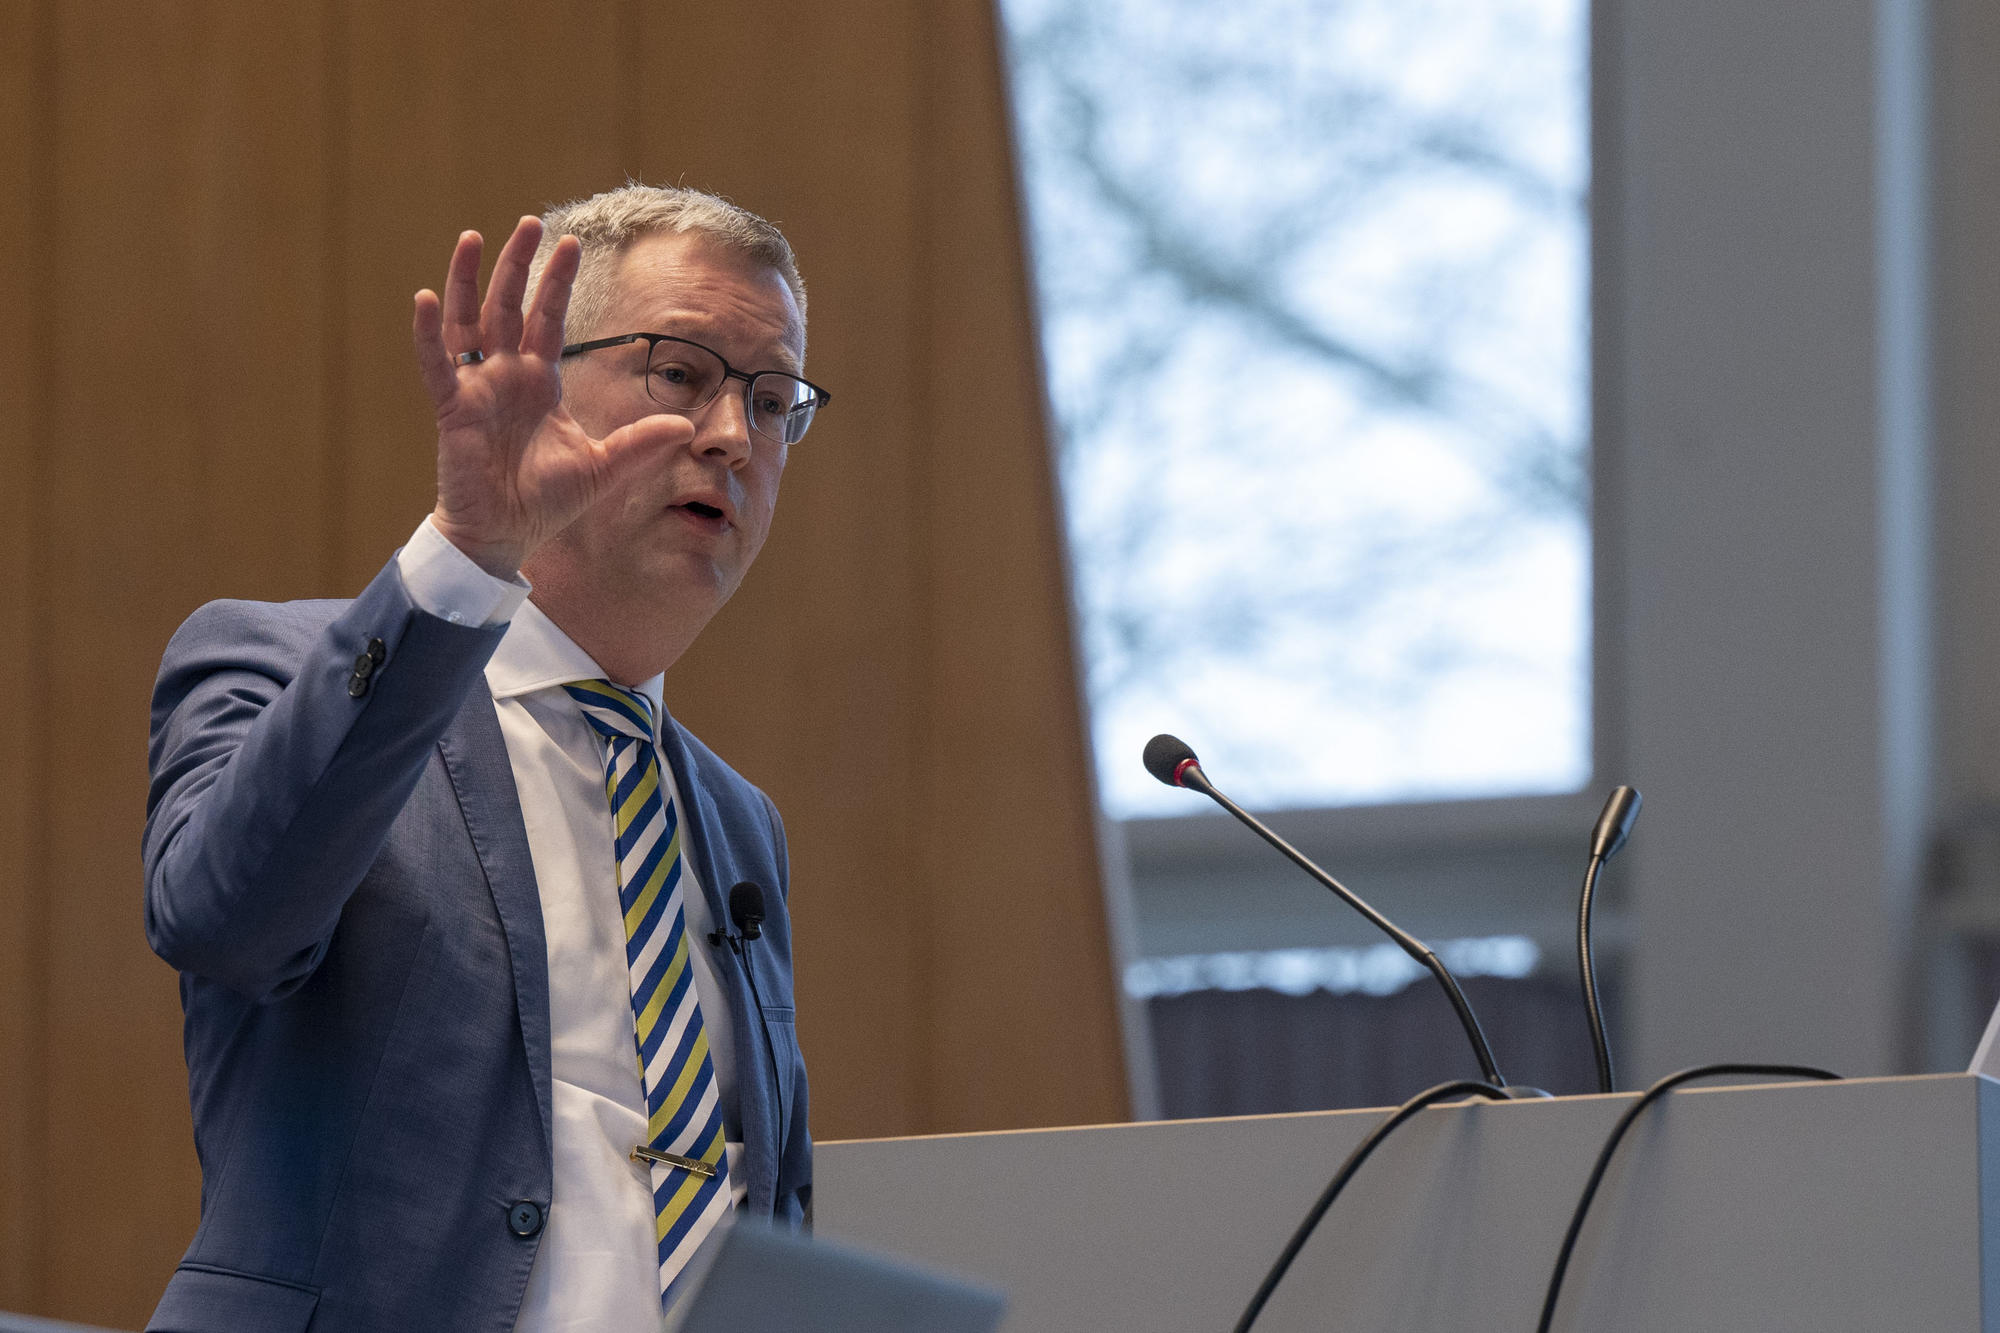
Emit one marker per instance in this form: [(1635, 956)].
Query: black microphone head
[(1621, 812), (746, 909), (1167, 758)]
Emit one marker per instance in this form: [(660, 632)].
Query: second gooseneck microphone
[(1169, 759), (1621, 811)]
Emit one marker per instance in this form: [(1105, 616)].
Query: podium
[(1872, 1205)]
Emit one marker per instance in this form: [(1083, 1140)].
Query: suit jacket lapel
[(475, 758), (755, 1060)]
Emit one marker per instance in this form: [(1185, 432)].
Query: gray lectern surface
[(1827, 1206), (759, 1280)]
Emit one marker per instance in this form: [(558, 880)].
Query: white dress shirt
[(597, 1267)]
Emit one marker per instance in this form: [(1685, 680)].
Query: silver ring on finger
[(471, 358)]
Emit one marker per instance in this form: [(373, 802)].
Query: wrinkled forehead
[(693, 286)]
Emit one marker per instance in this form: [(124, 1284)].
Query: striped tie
[(684, 1130)]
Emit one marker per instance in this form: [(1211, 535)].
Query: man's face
[(681, 535)]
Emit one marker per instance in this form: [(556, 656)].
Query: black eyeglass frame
[(653, 340)]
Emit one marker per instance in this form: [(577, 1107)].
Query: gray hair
[(609, 222)]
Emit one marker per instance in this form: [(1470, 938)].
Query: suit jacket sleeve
[(793, 1204), (278, 765)]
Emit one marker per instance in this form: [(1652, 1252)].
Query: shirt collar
[(535, 654)]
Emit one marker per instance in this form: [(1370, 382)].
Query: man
[(473, 1041)]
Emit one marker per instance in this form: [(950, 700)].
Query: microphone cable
[(1625, 1122), (1456, 1088)]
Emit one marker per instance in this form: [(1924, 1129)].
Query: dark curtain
[(1258, 1052)]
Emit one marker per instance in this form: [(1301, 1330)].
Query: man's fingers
[(629, 447), (544, 333), (500, 318), (433, 362), (461, 295)]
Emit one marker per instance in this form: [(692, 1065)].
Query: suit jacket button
[(357, 685), (524, 1218), (376, 652)]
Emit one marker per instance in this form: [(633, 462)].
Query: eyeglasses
[(684, 377)]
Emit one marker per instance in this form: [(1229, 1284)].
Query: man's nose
[(723, 428)]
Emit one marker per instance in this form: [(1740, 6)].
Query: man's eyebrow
[(782, 358), (694, 327)]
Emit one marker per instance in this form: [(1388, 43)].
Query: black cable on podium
[(1625, 1122), (1458, 1088)]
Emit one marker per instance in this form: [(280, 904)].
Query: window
[(1312, 276)]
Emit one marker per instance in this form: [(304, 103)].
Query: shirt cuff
[(444, 581)]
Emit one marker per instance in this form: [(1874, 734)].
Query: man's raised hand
[(513, 466)]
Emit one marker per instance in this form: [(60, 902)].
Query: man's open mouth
[(700, 510)]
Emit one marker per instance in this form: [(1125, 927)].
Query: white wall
[(1796, 370), (1773, 639)]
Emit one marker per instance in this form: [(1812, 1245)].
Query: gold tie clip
[(693, 1165)]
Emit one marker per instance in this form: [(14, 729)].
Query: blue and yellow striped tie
[(684, 1130)]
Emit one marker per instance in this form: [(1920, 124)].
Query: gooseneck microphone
[(1169, 759), (1621, 812)]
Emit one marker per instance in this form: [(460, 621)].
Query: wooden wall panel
[(229, 207), (452, 122), (1023, 1023), (186, 345), (24, 161), (811, 680), (905, 624)]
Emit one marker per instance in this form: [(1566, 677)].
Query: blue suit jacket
[(336, 863)]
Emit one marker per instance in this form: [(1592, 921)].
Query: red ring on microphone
[(1182, 767)]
